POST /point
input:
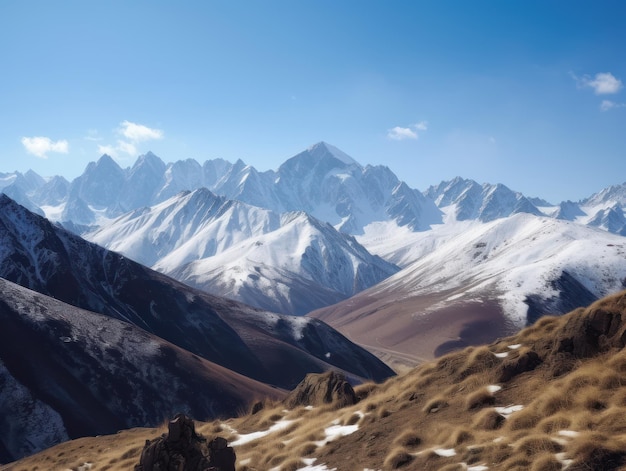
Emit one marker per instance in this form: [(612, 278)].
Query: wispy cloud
[(40, 146), (604, 83), (131, 134), (607, 105), (400, 133), (138, 132)]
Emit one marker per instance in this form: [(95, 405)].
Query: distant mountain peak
[(322, 149)]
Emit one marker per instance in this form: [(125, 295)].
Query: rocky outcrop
[(183, 449), (322, 388)]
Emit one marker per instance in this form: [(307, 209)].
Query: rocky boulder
[(182, 449), (317, 389)]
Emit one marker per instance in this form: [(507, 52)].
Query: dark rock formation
[(322, 388), (182, 449)]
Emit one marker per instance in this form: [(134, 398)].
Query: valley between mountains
[(129, 295)]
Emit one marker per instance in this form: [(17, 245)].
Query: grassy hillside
[(549, 398)]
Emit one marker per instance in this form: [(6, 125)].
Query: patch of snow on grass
[(515, 346), (445, 452), (478, 467), (317, 467), (501, 355), (493, 388), (335, 431), (569, 433), (506, 411), (561, 457), (249, 437)]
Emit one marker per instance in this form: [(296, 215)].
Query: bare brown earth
[(409, 331), (551, 397)]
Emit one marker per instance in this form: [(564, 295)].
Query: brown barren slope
[(406, 331)]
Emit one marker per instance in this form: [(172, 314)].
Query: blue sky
[(529, 94)]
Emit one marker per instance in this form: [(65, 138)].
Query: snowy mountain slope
[(184, 228), (67, 372), (521, 266), (54, 262), (302, 265), (482, 202), (290, 263)]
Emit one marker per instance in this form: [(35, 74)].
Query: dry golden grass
[(397, 458), (481, 398), (488, 420), (546, 462), (435, 404), (555, 422), (408, 439)]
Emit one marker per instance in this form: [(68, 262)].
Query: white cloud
[(132, 134), (138, 132), (604, 83), (421, 126), (40, 146), (399, 133), (607, 105)]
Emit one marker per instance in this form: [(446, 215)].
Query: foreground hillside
[(549, 398)]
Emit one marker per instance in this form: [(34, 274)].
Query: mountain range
[(174, 249), (226, 228), (87, 324)]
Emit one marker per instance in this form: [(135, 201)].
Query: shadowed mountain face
[(270, 348), (66, 373)]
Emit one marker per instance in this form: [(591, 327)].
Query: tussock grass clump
[(555, 422), (546, 462), (488, 420), (453, 467), (554, 401), (306, 449), (397, 458), (353, 419), (408, 439), (460, 435), (618, 362), (436, 403), (535, 444), (597, 451), (581, 379), (612, 420), (451, 363), (478, 361), (526, 360), (292, 465), (527, 418), (481, 398), (363, 391), (496, 453)]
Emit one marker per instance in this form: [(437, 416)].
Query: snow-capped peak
[(322, 149)]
